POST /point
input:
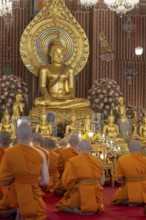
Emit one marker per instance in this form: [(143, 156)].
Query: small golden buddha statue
[(44, 127), (121, 109), (71, 128), (80, 129), (88, 123), (6, 124), (18, 107), (111, 129), (56, 82), (134, 124), (142, 130)]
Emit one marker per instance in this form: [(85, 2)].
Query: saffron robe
[(1, 153), (64, 155), (22, 164), (81, 180), (53, 171), (132, 168)]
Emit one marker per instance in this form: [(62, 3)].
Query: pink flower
[(8, 104), (2, 97), (110, 99), (3, 84), (6, 93), (101, 96), (96, 100)]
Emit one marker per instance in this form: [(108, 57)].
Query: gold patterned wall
[(93, 22)]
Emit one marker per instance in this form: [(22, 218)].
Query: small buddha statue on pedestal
[(111, 129), (18, 107), (142, 130), (71, 128), (80, 129), (44, 127), (135, 134), (88, 123), (123, 121), (6, 124)]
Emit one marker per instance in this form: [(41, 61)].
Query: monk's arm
[(69, 177), (6, 176), (60, 164), (119, 176), (102, 179), (44, 175)]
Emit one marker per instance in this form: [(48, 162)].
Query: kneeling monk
[(22, 170), (131, 172), (82, 178)]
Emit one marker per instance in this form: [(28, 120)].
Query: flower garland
[(103, 96)]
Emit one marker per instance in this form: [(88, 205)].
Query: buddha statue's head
[(120, 100), (6, 116), (18, 97), (43, 116), (111, 118), (57, 50), (73, 119)]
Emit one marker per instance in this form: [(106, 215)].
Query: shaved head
[(5, 139), (63, 142), (24, 132), (135, 146), (37, 138), (85, 146), (74, 140)]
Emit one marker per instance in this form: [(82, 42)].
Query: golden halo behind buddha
[(39, 34)]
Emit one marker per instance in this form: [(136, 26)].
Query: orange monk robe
[(1, 153), (81, 179), (22, 164), (57, 150), (133, 168), (53, 171), (64, 155)]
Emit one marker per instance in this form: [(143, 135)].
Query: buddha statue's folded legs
[(70, 103)]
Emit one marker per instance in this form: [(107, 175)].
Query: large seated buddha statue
[(56, 82), (55, 48)]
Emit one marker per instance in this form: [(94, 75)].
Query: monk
[(64, 155), (82, 177), (62, 144), (131, 172), (53, 157), (23, 169), (5, 140), (38, 142)]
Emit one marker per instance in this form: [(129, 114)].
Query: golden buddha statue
[(111, 129), (142, 130), (18, 107), (134, 124), (123, 122), (121, 109), (80, 129), (71, 128), (56, 82), (44, 127), (88, 123), (6, 124)]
